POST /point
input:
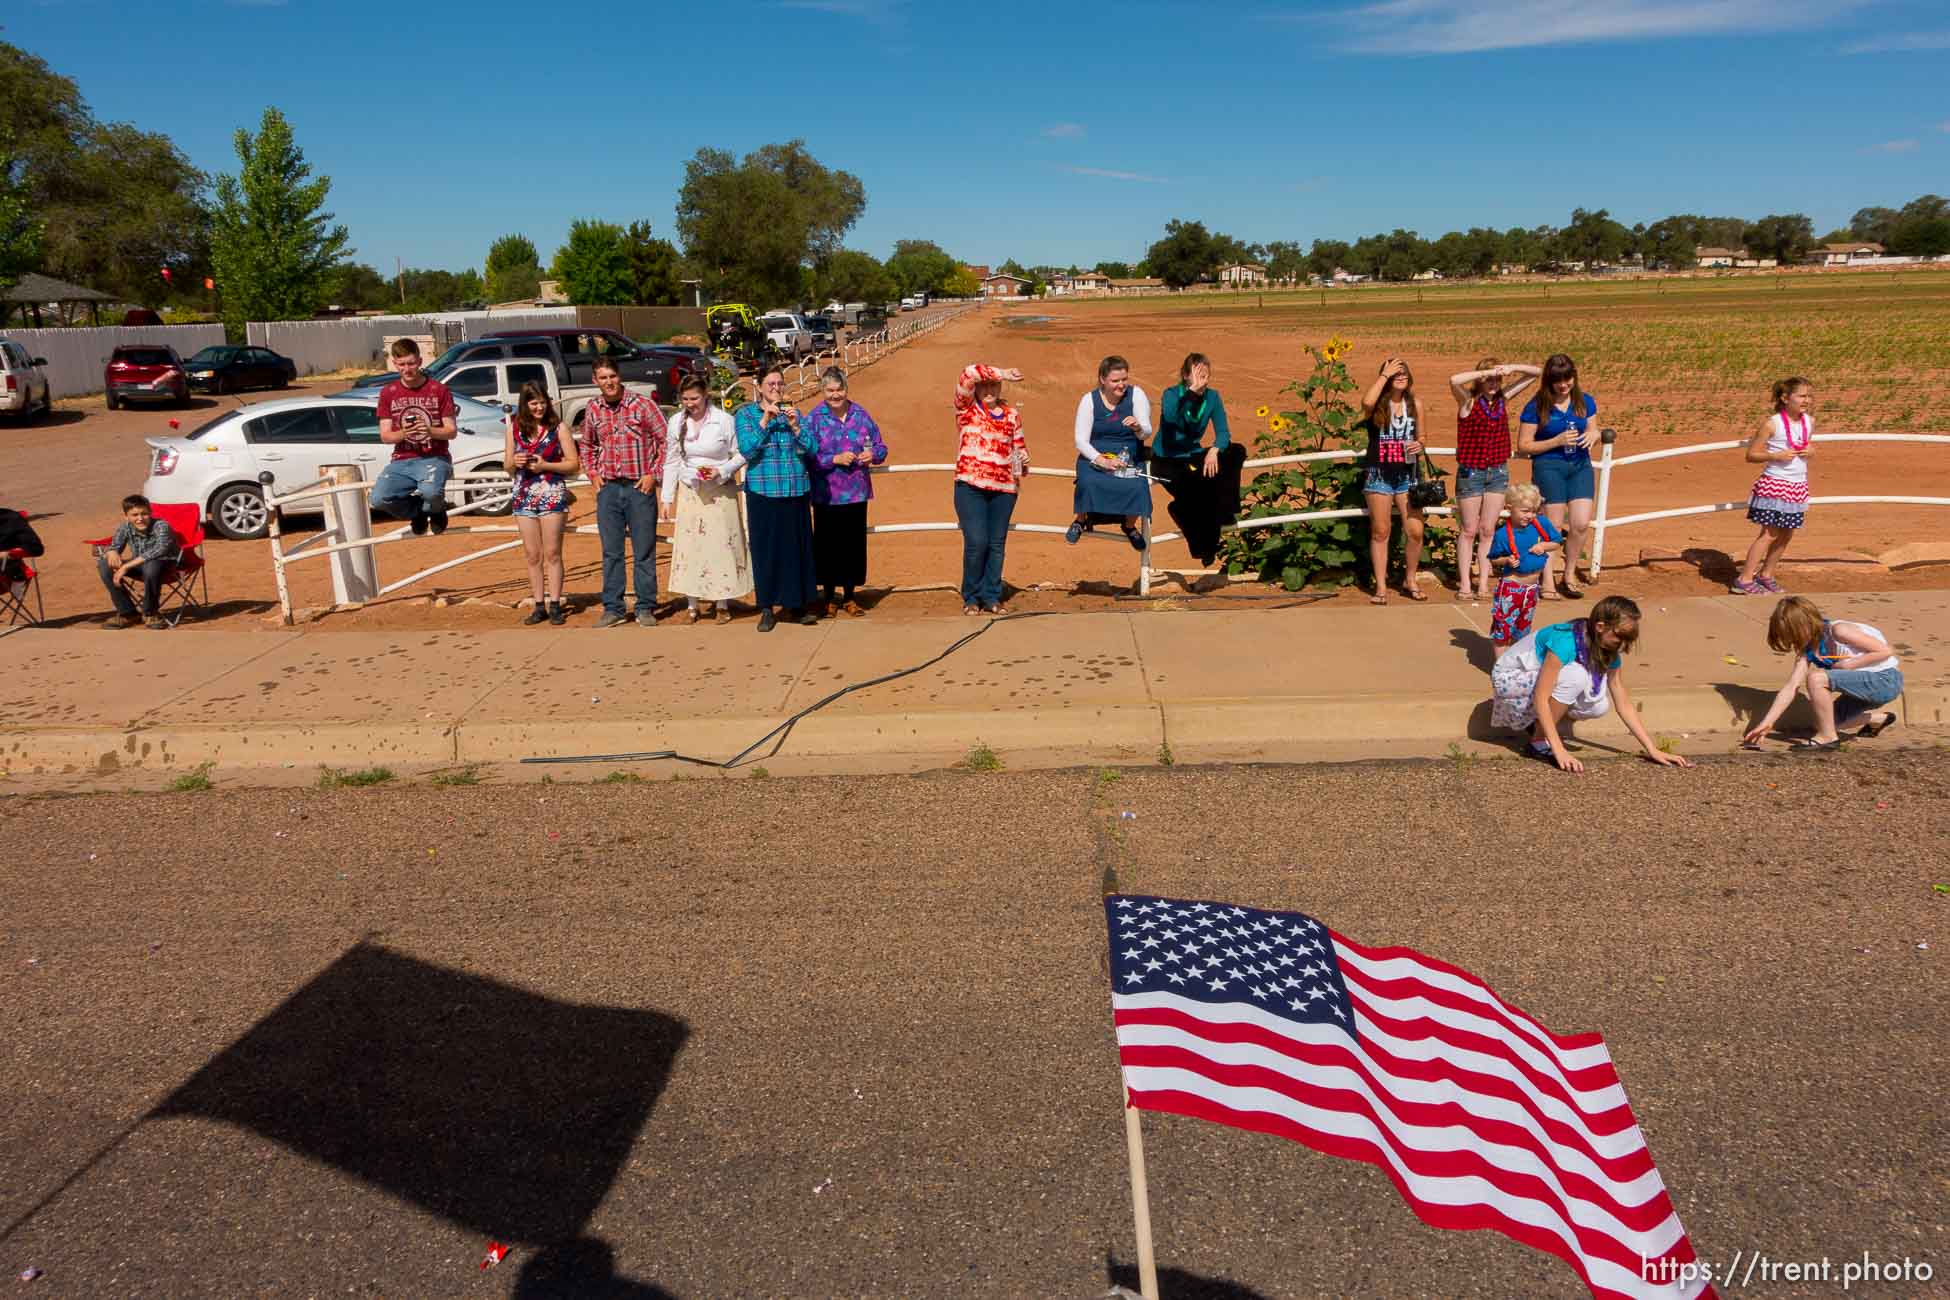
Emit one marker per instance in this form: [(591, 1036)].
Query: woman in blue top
[(778, 494), (1557, 431), (1203, 481)]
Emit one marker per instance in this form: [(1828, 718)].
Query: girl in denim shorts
[(1557, 430), (1393, 414), (1482, 462), (1846, 669), (540, 458)]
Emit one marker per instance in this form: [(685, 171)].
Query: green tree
[(752, 226), (1920, 236), (514, 269), (1668, 245), (358, 287), (1592, 237), (852, 276), (1328, 255), (1114, 270), (1873, 225), (962, 284), (1785, 238), (1285, 260), (594, 265), (1184, 255), (435, 290), (656, 269), (923, 266), (271, 243), (20, 229)]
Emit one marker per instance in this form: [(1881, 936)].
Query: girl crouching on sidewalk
[(1846, 668), (1572, 670)]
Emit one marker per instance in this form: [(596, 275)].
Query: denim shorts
[(1490, 480), (1389, 480), (1870, 687), (539, 511), (1562, 480)]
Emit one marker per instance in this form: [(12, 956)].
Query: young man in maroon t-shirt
[(416, 415)]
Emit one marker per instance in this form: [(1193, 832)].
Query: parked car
[(498, 381), (788, 333), (658, 368), (215, 465), (825, 333), (227, 368), (24, 390), (145, 372), (914, 302)]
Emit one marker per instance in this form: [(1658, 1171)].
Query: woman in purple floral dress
[(848, 442)]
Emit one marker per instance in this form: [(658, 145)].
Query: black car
[(227, 368)]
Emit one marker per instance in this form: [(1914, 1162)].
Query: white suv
[(23, 382)]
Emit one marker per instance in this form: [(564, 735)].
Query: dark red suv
[(145, 372)]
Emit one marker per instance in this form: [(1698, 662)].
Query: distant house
[(1347, 277), (1138, 285), (979, 272), (1004, 285), (1080, 282), (1748, 262), (1712, 257), (1242, 273), (1430, 274), (1512, 268), (1844, 254)]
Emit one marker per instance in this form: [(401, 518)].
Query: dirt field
[(1669, 366), (721, 1039)]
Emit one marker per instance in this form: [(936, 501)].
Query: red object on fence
[(496, 1252)]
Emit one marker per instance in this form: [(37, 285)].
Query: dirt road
[(851, 1036)]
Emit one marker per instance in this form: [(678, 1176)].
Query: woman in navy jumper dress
[(1113, 420)]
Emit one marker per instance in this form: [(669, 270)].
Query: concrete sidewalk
[(1119, 687)]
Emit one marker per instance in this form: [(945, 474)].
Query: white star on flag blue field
[(1481, 1117)]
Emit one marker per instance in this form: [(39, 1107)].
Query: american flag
[(1482, 1118)]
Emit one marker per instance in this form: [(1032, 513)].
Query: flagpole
[(1140, 1204)]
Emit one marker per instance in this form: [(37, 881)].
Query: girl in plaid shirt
[(1482, 462)]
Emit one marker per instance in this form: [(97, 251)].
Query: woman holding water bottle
[(1113, 420)]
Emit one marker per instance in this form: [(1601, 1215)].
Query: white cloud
[(1893, 146), (1460, 27), (1114, 175), (1065, 131), (1900, 43)]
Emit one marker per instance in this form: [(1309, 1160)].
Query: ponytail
[(1785, 388)]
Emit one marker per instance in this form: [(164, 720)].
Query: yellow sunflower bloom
[(1260, 412), (1278, 425)]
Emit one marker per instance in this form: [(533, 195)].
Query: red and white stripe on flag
[(1480, 1116)]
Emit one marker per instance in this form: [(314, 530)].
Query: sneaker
[(1135, 537), (808, 619), (119, 621), (610, 619), (437, 520), (646, 618), (419, 524), (1769, 585), (1074, 533), (558, 613), (1740, 588), (156, 623), (767, 620), (539, 614)]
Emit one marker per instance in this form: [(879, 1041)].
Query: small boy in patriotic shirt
[(1520, 547)]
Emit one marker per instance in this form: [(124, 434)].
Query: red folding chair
[(186, 584), (19, 584)]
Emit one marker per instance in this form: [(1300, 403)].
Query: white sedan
[(216, 465)]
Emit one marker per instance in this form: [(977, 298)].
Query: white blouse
[(712, 441)]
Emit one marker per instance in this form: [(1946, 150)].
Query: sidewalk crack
[(137, 722)]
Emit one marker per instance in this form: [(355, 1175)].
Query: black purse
[(1429, 488)]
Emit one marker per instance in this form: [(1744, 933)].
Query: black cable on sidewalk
[(784, 729)]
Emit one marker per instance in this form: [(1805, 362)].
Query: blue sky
[(1047, 132)]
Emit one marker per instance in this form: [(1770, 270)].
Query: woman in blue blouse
[(1557, 430), (1203, 481), (778, 493)]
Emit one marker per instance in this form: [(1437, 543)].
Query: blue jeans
[(984, 517), (406, 488), (153, 573), (621, 509)]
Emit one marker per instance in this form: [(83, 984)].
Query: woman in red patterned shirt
[(1482, 461), (990, 461)]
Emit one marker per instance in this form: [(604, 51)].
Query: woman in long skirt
[(848, 441), (710, 560), (778, 491), (1113, 420)]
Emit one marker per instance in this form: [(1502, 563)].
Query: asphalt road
[(837, 1037)]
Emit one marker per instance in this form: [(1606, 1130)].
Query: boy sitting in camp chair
[(143, 547)]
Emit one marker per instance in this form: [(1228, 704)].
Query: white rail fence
[(484, 490)]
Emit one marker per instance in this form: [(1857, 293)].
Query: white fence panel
[(75, 357)]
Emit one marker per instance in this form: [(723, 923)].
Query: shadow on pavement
[(1177, 1284), (508, 1113), (1480, 649)]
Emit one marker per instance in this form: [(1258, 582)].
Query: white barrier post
[(275, 523), (1608, 437), (355, 576)]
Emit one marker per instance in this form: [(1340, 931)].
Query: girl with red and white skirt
[(1779, 503)]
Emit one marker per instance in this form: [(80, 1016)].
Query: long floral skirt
[(710, 557)]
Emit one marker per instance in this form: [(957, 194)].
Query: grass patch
[(191, 782), (761, 774), (468, 775), (1667, 745), (1165, 756), (1459, 758), (621, 778), (334, 778), (980, 758), (1108, 776)]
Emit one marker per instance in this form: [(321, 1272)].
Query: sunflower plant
[(1324, 416)]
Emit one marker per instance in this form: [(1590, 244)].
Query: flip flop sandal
[(1414, 595), (1815, 746), (1874, 728)]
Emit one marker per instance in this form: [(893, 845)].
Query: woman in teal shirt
[(1203, 481)]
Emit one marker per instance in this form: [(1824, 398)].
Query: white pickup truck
[(789, 334), (500, 380)]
